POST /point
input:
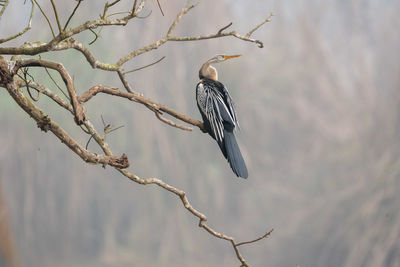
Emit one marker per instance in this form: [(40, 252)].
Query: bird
[(218, 112)]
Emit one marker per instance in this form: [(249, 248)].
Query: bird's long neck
[(208, 71)]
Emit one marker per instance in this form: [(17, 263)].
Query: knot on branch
[(44, 123), (79, 113), (121, 162)]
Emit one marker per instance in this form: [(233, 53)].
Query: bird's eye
[(220, 58)]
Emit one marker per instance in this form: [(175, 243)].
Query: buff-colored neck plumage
[(208, 71)]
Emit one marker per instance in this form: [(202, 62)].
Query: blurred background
[(320, 117)]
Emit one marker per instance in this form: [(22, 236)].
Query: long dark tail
[(233, 155)]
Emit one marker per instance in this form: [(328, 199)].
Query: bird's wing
[(230, 104), (215, 108)]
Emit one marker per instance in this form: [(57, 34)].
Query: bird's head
[(208, 71), (220, 58)]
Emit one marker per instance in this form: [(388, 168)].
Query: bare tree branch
[(160, 42), (173, 124), (185, 10), (64, 41), (47, 19), (151, 64), (134, 6), (202, 223), (27, 28), (78, 110), (268, 19), (28, 88), (217, 35), (56, 84), (152, 105), (257, 239), (96, 34), (107, 6), (72, 14), (159, 6), (56, 15), (3, 4), (124, 81), (180, 193), (145, 16), (224, 28), (220, 33), (40, 47), (47, 92), (45, 124)]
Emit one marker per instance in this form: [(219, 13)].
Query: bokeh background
[(320, 117)]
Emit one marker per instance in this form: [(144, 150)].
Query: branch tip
[(224, 28)]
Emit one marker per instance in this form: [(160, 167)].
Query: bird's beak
[(228, 57)]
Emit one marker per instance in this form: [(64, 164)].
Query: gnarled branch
[(152, 105), (46, 124), (63, 41), (78, 110), (27, 28)]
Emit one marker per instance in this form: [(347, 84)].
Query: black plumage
[(220, 120)]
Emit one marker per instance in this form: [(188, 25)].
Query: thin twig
[(4, 4), (213, 36), (72, 14), (138, 9), (224, 28), (134, 6), (59, 88), (96, 36), (159, 6), (124, 81), (151, 64), (106, 6), (117, 13), (88, 141), (257, 239), (146, 16), (45, 123), (27, 28), (56, 15), (47, 19), (114, 129), (57, 99), (104, 123), (118, 163), (99, 139), (64, 41), (268, 19), (152, 105), (78, 109), (173, 124), (83, 127), (160, 42), (28, 88), (184, 10), (106, 130)]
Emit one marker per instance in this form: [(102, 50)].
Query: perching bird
[(218, 112)]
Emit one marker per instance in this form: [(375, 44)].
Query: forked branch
[(65, 40), (152, 105), (27, 28), (78, 110)]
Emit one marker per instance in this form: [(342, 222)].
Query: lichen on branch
[(13, 81)]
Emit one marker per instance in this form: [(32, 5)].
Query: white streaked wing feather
[(211, 102)]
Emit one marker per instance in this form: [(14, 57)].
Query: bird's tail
[(233, 155)]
